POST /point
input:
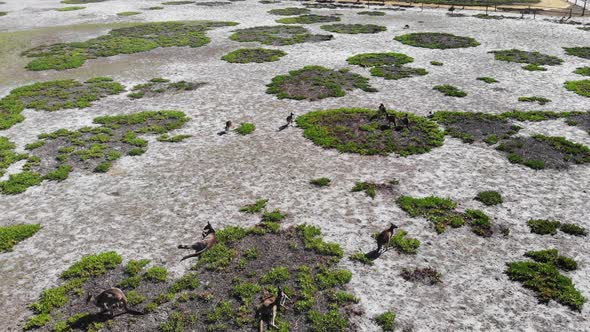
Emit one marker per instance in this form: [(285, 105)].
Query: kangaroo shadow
[(373, 254), (283, 127), (85, 321), (221, 133)]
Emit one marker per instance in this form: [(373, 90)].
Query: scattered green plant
[(277, 35), (256, 55), (308, 19), (245, 128), (581, 88), (489, 198), (386, 321), (354, 28), (320, 182), (449, 90), (13, 234), (488, 80), (436, 40)]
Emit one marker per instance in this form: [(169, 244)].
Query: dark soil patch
[(397, 72), (436, 40), (289, 11), (257, 55), (158, 86), (539, 152), (315, 82), (354, 28), (427, 275), (519, 56), (308, 19), (364, 131), (277, 35), (139, 38), (476, 127)]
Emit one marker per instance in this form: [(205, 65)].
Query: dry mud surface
[(144, 206)]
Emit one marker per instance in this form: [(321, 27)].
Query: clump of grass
[(534, 67), (330, 321), (308, 19), (327, 278), (404, 244), (354, 28), (436, 63), (277, 35), (70, 8), (156, 274), (436, 40), (449, 90), (427, 275), (489, 198), (7, 154), (253, 55), (488, 80), (173, 139), (584, 71), (368, 187), (519, 56), (320, 182), (552, 257), (289, 11), (245, 128), (245, 291), (532, 99), (158, 86), (543, 227), (13, 234), (581, 88), (361, 257), (18, 183), (177, 3), (371, 13), (582, 52), (573, 229), (93, 265), (273, 216), (312, 240), (275, 276), (124, 14), (256, 207), (217, 258), (379, 59), (397, 72), (386, 321)]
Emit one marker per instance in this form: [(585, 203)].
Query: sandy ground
[(146, 205)]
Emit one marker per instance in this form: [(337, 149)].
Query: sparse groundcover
[(139, 38), (533, 99), (353, 28), (489, 17), (371, 188), (397, 72), (158, 86), (582, 52), (535, 59), (213, 3), (372, 13), (289, 11), (78, 2), (580, 87), (315, 82), (449, 90), (3, 14), (245, 128), (426, 275), (308, 19), (128, 13), (573, 229), (436, 40), (539, 152), (386, 321), (436, 63), (53, 96), (320, 182), (70, 8), (7, 154), (222, 293), (476, 127), (581, 120), (534, 67), (544, 278), (584, 71), (478, 2), (154, 8), (173, 139), (277, 35), (90, 148), (489, 198), (379, 59), (359, 130), (550, 227), (13, 234), (540, 115), (177, 3), (442, 212), (488, 80), (255, 207), (258, 55)]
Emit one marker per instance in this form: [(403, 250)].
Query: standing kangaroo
[(267, 312), (290, 119), (228, 125), (208, 241), (384, 237), (111, 299)]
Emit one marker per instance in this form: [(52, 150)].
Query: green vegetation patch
[(257, 55), (135, 39), (489, 198), (361, 131), (289, 11), (436, 63), (256, 207), (277, 35), (245, 128), (579, 87), (308, 19), (13, 234), (488, 80), (354, 28), (582, 52), (371, 188), (535, 99), (584, 71), (320, 182), (124, 14), (436, 40), (539, 152), (78, 2), (543, 277), (158, 86), (70, 8), (90, 148), (449, 90), (315, 82), (534, 67), (7, 154), (442, 212), (426, 275), (476, 127), (53, 96), (386, 321), (544, 227), (177, 3), (520, 56), (3, 14), (397, 72), (371, 13), (93, 265), (379, 59)]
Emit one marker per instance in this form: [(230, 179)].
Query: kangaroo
[(290, 119), (406, 26), (384, 237), (391, 118), (452, 8), (208, 241), (228, 125), (406, 121), (268, 309), (111, 299)]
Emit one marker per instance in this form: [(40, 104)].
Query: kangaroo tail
[(189, 256), (135, 312)]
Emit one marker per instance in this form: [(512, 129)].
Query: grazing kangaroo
[(228, 125), (268, 310), (208, 241), (111, 299), (406, 26), (391, 118), (384, 237), (452, 8), (406, 121), (290, 119)]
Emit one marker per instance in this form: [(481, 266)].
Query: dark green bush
[(489, 197), (449, 90)]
